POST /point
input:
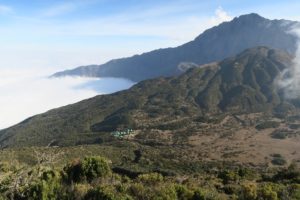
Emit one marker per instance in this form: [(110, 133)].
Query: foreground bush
[(87, 170), (249, 191), (48, 186), (92, 178), (105, 193)]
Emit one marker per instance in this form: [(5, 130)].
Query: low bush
[(48, 186), (266, 192), (87, 169), (248, 191), (150, 179), (279, 135), (228, 176), (278, 159), (267, 124), (290, 174)]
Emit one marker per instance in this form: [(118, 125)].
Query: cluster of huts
[(121, 134)]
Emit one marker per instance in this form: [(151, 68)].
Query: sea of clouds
[(25, 93)]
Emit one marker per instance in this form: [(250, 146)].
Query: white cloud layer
[(26, 93), (289, 80)]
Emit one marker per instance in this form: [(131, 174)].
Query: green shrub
[(4, 184), (80, 191), (246, 173), (290, 174), (87, 170), (4, 167), (266, 192), (294, 191), (73, 171), (228, 176), (278, 160), (198, 195), (138, 190), (201, 194), (151, 179), (294, 126), (165, 193), (279, 135), (231, 189), (48, 186), (267, 124), (106, 193), (248, 191), (101, 193), (157, 190), (94, 167), (183, 192)]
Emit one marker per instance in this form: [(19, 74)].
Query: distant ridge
[(215, 44)]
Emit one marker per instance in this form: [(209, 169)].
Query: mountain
[(243, 84), (215, 44)]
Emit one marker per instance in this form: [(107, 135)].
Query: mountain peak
[(251, 16), (252, 19)]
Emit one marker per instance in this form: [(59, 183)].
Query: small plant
[(290, 174), (151, 178), (183, 192), (278, 159), (228, 176), (103, 193), (249, 191), (294, 126), (267, 124), (266, 192), (279, 135)]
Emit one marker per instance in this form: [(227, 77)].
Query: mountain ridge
[(243, 32)]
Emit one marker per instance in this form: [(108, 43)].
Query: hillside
[(215, 44), (241, 84), (223, 112)]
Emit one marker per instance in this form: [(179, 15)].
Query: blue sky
[(55, 35)]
